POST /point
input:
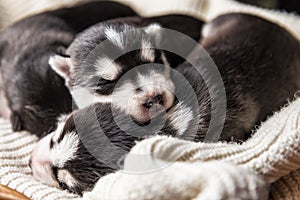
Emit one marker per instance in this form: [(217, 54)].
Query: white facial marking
[(147, 51), (157, 80), (60, 125), (132, 102), (41, 162), (65, 150), (121, 97), (153, 29), (107, 68), (65, 177), (102, 98), (43, 157), (181, 117), (115, 37), (82, 97)]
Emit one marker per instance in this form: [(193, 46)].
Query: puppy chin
[(41, 163), (144, 116)]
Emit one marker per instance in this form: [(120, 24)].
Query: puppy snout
[(158, 99)]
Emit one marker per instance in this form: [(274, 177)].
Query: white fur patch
[(157, 80), (181, 117), (107, 68), (60, 125), (84, 98), (102, 98), (65, 177), (41, 163), (147, 51), (123, 97), (206, 30), (153, 29), (115, 37), (131, 101), (65, 150)]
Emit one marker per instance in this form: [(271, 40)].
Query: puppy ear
[(62, 66), (154, 31)]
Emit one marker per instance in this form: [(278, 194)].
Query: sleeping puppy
[(260, 66), (32, 94), (90, 143), (101, 54), (259, 75)]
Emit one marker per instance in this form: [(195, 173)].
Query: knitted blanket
[(182, 169), (190, 170), (172, 168)]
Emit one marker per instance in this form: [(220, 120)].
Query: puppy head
[(101, 54), (100, 68), (78, 153), (51, 154)]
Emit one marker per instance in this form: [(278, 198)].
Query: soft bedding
[(268, 163)]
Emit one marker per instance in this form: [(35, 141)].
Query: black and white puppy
[(100, 55), (91, 142), (32, 94), (259, 64)]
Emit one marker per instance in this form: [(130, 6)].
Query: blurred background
[(11, 11), (288, 5)]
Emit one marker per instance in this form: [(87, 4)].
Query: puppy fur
[(260, 66), (33, 95), (259, 75), (101, 73)]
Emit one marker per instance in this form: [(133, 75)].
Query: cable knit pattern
[(15, 149), (272, 152), (188, 170), (180, 180)]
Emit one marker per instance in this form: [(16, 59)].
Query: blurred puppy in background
[(32, 94)]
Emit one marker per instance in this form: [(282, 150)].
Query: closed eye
[(63, 185), (104, 87), (55, 174), (104, 81)]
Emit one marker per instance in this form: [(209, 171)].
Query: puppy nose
[(154, 100), (30, 162)]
